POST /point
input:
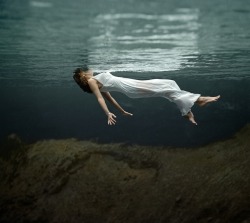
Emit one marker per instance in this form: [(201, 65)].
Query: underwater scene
[(203, 46), (61, 162)]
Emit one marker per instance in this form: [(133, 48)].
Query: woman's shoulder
[(103, 75)]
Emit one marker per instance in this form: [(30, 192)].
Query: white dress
[(148, 88)]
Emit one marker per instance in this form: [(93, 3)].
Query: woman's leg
[(190, 117), (201, 101), (185, 100)]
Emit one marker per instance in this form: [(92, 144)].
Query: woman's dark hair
[(81, 80)]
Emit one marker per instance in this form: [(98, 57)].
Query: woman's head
[(80, 77)]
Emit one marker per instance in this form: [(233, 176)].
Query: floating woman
[(100, 85)]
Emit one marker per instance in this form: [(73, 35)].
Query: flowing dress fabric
[(148, 88)]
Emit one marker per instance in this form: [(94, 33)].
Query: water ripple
[(144, 42), (42, 45)]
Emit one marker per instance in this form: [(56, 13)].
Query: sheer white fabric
[(148, 88)]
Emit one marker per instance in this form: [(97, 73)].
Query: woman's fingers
[(111, 122), (127, 113), (111, 119)]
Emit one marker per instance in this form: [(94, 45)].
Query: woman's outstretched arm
[(108, 96), (94, 88)]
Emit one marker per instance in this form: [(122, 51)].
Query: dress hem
[(193, 101)]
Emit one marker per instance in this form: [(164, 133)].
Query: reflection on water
[(144, 42), (43, 41), (40, 4)]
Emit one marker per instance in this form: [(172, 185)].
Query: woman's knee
[(174, 84)]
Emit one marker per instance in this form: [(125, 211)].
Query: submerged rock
[(11, 144), (80, 181)]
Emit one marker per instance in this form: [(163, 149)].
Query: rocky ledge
[(71, 181)]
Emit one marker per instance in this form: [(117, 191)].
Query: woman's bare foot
[(205, 100), (190, 117)]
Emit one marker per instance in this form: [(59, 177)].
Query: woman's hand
[(127, 113), (111, 119)]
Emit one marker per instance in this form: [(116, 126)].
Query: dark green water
[(203, 45)]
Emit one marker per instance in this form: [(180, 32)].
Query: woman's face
[(88, 74), (91, 72)]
